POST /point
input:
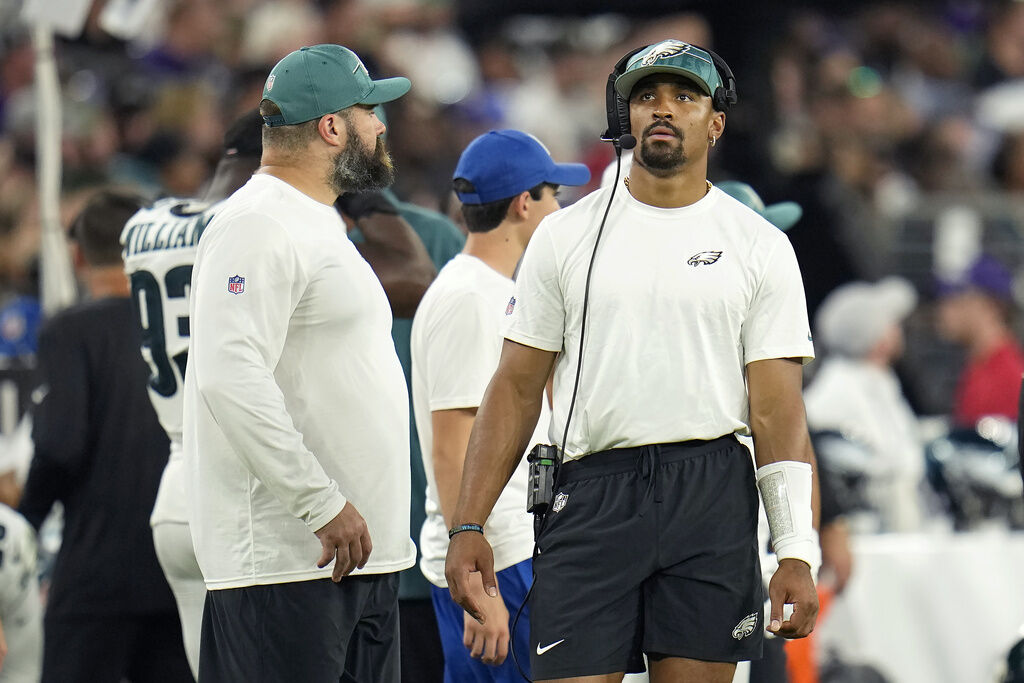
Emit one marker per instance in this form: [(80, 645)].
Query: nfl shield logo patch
[(560, 500), (236, 284), (511, 306)]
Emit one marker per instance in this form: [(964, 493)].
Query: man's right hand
[(346, 540), (469, 552), (488, 641)]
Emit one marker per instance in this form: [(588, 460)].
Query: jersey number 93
[(146, 294)]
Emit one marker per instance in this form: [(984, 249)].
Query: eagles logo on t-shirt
[(704, 258)]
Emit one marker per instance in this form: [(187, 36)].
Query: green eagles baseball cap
[(323, 79), (670, 56)]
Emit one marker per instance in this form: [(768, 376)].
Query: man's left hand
[(792, 584)]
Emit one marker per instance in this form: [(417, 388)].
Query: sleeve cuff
[(326, 512), (457, 403), (535, 342), (804, 352)]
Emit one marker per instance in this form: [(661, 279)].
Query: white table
[(936, 608)]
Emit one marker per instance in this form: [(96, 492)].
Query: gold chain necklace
[(625, 181)]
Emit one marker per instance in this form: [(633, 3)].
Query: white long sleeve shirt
[(295, 401)]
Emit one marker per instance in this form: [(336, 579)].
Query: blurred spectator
[(195, 30), (974, 311), (1008, 167), (100, 451), (1004, 47), (273, 29), (856, 393)]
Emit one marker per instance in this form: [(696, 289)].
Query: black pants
[(141, 649), (310, 631), (422, 656)]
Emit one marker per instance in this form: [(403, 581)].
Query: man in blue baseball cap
[(507, 182), (295, 417)]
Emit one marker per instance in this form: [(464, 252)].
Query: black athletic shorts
[(648, 549), (310, 631)]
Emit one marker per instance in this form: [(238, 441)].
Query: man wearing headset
[(690, 318)]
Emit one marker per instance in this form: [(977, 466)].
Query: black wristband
[(464, 527), (356, 205)]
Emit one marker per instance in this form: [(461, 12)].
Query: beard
[(658, 157), (357, 169)]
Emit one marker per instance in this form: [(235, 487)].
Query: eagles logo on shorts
[(745, 627)]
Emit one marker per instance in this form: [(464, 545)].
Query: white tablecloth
[(939, 608)]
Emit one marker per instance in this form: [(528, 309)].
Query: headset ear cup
[(623, 114), (611, 104), (616, 108), (725, 95)]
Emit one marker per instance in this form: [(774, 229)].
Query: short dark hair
[(486, 217), (290, 139), (97, 228)]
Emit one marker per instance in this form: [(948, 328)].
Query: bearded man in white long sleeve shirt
[(296, 408)]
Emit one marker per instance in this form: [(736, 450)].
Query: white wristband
[(786, 493)]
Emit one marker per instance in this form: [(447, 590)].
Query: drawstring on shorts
[(648, 464)]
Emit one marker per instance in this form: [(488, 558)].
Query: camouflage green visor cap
[(673, 57), (322, 79)]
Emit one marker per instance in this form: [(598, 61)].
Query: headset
[(618, 134), (617, 107)]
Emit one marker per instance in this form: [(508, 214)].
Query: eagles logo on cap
[(664, 49), (674, 57)]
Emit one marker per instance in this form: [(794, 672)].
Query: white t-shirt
[(295, 401), (456, 342), (681, 300), (159, 247)]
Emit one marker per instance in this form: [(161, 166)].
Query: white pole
[(57, 280)]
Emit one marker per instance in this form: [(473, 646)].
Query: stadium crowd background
[(861, 115), (885, 121)]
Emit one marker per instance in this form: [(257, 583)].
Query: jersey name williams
[(185, 232)]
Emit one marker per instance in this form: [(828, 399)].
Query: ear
[(717, 125), (519, 209), (332, 130)]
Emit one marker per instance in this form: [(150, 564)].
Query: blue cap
[(502, 163)]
